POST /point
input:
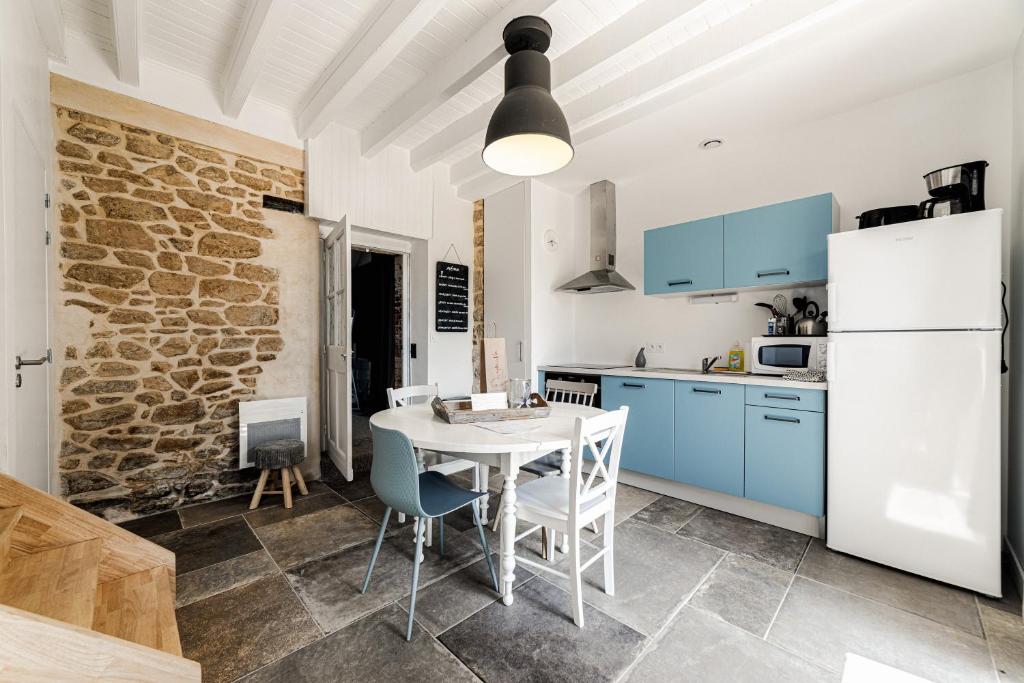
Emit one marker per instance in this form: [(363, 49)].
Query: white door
[(337, 282), (936, 274), (914, 454), (28, 316)]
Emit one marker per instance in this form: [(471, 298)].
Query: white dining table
[(506, 445)]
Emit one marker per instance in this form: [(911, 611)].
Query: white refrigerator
[(913, 397)]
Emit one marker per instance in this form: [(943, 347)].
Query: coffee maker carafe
[(955, 189)]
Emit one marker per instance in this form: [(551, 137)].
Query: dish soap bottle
[(736, 358)]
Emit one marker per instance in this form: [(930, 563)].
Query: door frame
[(395, 247)]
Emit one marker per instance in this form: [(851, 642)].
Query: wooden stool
[(282, 457)]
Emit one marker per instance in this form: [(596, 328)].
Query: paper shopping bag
[(494, 368)]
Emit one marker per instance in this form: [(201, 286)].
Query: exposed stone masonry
[(478, 289), (159, 250)]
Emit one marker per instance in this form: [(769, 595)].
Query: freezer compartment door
[(913, 453), (936, 274)]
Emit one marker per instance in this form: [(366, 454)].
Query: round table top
[(429, 432)]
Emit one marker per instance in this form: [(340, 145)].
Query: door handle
[(676, 283), (20, 362), (634, 386), (777, 418), (698, 390), (520, 351), (782, 397), (769, 273)]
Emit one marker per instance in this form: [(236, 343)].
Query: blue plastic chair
[(398, 483)]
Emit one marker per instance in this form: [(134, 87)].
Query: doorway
[(378, 333)]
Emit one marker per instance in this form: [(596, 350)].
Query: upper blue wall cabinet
[(684, 258), (781, 244)]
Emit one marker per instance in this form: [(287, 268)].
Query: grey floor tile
[(198, 547), (535, 640), (700, 647), (223, 508), (667, 513), (357, 489), (241, 630), (372, 649), (217, 578), (937, 601), (655, 571), (773, 545), (329, 587), (1005, 634), (823, 624), (448, 601), (153, 525), (1011, 599), (302, 505), (304, 538), (374, 509), (744, 592)]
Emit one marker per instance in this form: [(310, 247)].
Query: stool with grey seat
[(400, 485), (277, 446)]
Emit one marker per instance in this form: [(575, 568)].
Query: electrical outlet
[(655, 347)]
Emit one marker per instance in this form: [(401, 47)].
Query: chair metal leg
[(440, 532), (487, 549), (415, 581), (376, 549)]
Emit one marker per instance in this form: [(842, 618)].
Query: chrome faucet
[(707, 363)]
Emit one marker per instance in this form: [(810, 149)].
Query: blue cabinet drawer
[(647, 446), (684, 258), (783, 397), (785, 458), (709, 436), (779, 244)]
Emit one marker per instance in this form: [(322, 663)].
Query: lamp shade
[(527, 134)]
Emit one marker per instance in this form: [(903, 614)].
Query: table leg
[(485, 475), (566, 471), (508, 534)]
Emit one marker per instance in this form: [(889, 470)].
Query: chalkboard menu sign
[(451, 312)]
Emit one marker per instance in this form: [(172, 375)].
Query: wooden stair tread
[(8, 519), (140, 608), (59, 583)]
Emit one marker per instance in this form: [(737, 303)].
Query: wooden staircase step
[(140, 608), (59, 583), (8, 519)]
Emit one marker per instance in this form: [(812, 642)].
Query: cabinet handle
[(769, 273), (634, 386), (676, 283), (778, 418), (699, 390), (782, 397)]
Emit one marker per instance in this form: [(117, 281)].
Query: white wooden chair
[(568, 505), (558, 391), (445, 464)]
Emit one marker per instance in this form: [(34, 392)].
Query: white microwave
[(779, 355)]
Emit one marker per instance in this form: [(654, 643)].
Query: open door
[(336, 360)]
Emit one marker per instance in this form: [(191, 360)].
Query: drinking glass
[(518, 393)]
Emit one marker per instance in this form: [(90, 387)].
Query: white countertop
[(690, 376)]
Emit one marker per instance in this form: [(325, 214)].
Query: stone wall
[(478, 290), (168, 312)]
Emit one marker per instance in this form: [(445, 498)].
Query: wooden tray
[(459, 412)]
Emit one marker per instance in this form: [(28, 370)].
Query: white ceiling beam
[(257, 34), (639, 23), (50, 20), (708, 59), (127, 28), (471, 60), (381, 38)]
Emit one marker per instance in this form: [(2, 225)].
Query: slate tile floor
[(701, 595)]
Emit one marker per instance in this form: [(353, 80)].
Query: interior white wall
[(1015, 465), (868, 157), (553, 313), (25, 93)]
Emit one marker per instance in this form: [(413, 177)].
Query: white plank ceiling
[(424, 74)]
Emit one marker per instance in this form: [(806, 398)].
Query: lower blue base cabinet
[(785, 458), (648, 443), (709, 436)]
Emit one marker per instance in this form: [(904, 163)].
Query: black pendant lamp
[(527, 134)]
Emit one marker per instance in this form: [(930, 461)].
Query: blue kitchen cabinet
[(784, 397), (684, 258), (648, 443), (709, 436), (779, 244), (785, 458)]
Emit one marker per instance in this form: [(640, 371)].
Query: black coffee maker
[(955, 189)]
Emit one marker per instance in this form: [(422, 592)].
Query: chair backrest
[(579, 393), (602, 437), (395, 474), (404, 396)]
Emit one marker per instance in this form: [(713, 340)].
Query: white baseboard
[(762, 512)]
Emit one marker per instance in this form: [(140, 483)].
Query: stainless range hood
[(603, 277)]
